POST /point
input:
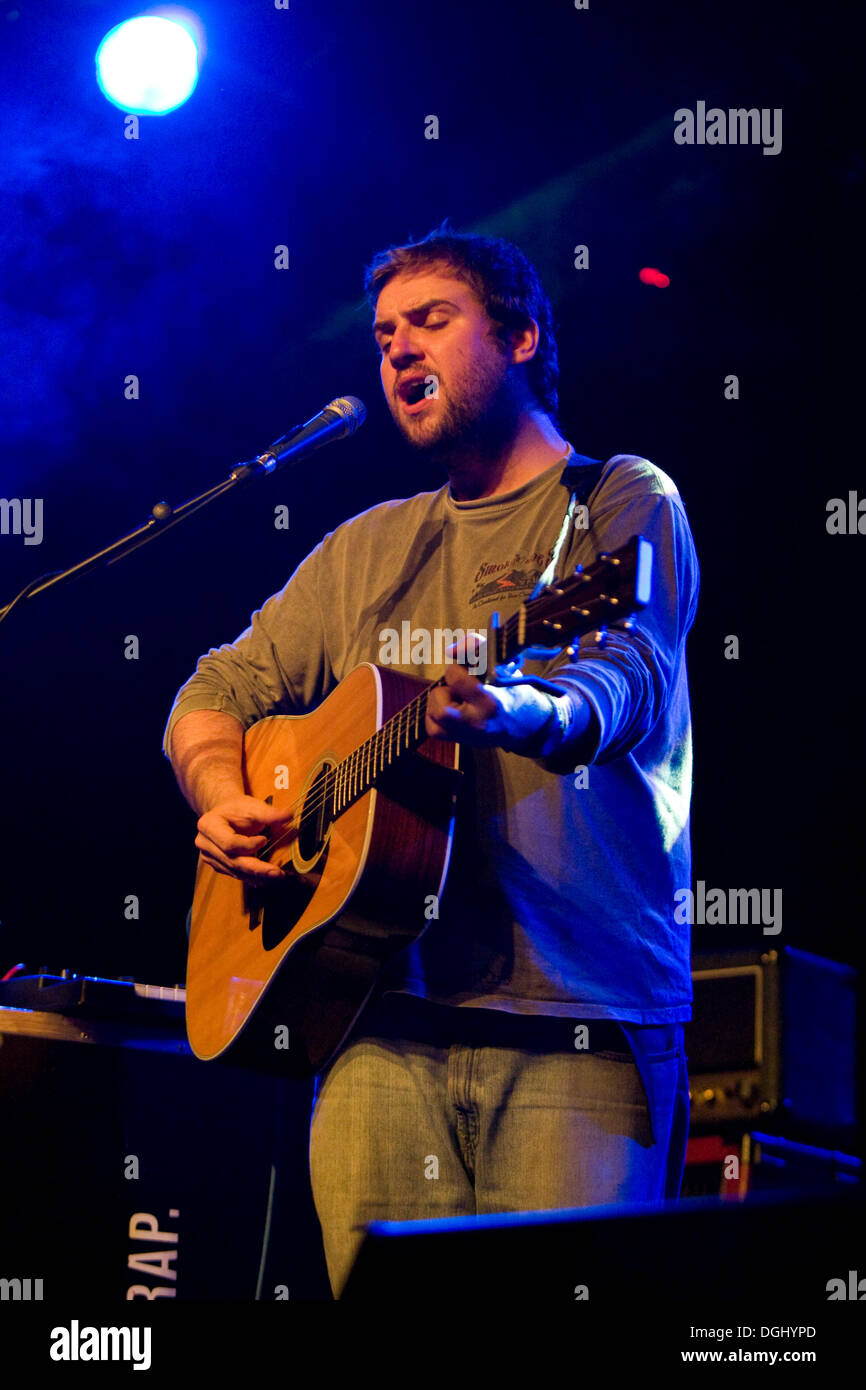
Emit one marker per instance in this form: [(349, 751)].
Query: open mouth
[(413, 393)]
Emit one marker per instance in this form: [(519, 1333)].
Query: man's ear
[(523, 342)]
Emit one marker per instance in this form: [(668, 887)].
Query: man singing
[(527, 1052)]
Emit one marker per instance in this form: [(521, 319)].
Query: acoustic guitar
[(278, 973)]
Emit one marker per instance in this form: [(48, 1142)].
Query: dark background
[(156, 257)]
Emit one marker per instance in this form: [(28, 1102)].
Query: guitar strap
[(580, 476)]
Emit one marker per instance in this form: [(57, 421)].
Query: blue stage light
[(148, 65)]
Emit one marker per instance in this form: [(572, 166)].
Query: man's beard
[(478, 424)]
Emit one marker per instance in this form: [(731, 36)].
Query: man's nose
[(405, 346)]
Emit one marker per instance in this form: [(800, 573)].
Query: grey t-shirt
[(560, 895)]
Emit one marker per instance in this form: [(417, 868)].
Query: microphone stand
[(162, 517)]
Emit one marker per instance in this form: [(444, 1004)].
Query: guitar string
[(353, 765), (353, 770)]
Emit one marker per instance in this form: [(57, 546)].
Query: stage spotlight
[(149, 65)]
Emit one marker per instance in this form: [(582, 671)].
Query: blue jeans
[(431, 1111)]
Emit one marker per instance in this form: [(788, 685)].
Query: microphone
[(338, 419)]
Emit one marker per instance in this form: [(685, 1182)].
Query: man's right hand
[(229, 837)]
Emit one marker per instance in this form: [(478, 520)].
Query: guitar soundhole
[(274, 908), (315, 820)]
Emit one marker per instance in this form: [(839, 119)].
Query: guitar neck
[(608, 590), (399, 736)]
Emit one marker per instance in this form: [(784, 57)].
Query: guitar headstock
[(609, 590)]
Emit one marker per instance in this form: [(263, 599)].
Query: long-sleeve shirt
[(560, 897)]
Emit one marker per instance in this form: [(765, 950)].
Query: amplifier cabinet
[(772, 1036)]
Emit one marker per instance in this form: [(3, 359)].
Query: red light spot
[(650, 276)]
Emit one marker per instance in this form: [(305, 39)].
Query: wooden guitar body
[(277, 975)]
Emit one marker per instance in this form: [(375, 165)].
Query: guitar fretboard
[(404, 731), (399, 735), (612, 587)]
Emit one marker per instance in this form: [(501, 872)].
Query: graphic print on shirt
[(514, 578)]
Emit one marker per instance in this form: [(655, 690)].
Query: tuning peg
[(578, 569), (600, 637), (628, 625)]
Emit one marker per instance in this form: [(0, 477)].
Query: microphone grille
[(353, 411)]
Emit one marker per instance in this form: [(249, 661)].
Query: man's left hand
[(519, 719)]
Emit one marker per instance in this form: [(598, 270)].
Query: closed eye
[(440, 322)]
